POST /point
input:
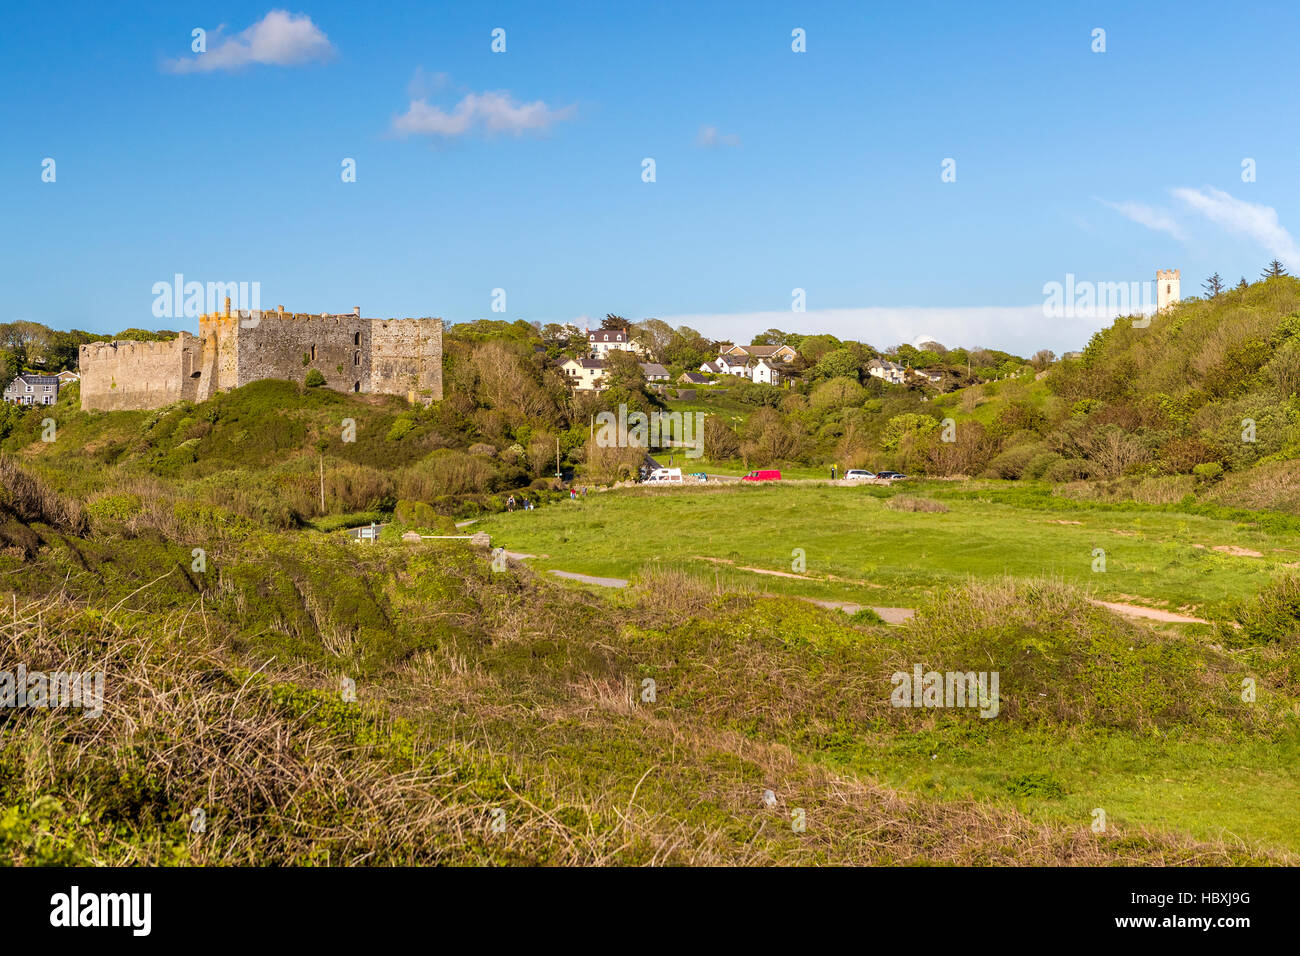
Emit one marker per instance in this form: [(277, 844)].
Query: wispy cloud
[(279, 39), (491, 112), (709, 138), (1250, 220), (1149, 216)]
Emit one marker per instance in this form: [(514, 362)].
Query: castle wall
[(138, 375), (354, 354), (407, 358), (288, 345)]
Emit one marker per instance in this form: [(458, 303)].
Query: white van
[(661, 475)]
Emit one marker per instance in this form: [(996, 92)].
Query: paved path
[(590, 579), (890, 615)]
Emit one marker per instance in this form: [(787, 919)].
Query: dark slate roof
[(607, 335), (653, 368), (28, 379)]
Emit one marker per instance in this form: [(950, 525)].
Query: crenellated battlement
[(234, 347)]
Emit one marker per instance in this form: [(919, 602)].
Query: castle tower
[(1168, 288)]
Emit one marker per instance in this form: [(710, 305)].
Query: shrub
[(1070, 469), (1209, 471), (314, 378), (1274, 617), (908, 503), (401, 427)]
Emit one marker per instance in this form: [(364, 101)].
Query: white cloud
[(423, 84), (709, 138), (1250, 220), (279, 39), (1149, 216), (494, 112), (1019, 329)]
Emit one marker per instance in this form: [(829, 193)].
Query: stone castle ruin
[(354, 354)]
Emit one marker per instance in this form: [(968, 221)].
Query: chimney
[(227, 306), (356, 310), (279, 310)]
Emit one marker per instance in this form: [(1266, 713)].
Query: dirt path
[(890, 615), (1150, 613), (590, 579)]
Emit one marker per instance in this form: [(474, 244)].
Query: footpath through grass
[(859, 548)]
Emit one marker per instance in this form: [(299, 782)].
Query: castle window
[(313, 353), (356, 386), (356, 356), (356, 338), (1168, 289)]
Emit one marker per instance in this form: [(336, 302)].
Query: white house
[(887, 370), (733, 365), (585, 374), (766, 373), (773, 353), (603, 341)]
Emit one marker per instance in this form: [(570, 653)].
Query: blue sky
[(522, 170)]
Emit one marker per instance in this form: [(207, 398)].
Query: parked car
[(763, 475), (858, 474), (891, 475), (699, 476)]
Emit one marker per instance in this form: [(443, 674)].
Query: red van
[(772, 475)]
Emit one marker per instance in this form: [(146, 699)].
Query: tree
[(1042, 358), (1273, 270), (770, 337), (1213, 286), (655, 335), (613, 322), (1242, 283)]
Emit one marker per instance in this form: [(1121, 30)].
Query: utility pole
[(322, 483), (557, 456)]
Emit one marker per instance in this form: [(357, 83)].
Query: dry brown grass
[(909, 503)]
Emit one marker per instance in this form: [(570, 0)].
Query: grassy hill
[(504, 719)]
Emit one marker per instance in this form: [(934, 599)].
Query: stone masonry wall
[(354, 354), (138, 375), (406, 358)]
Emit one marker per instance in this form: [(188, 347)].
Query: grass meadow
[(858, 548), (1210, 783)]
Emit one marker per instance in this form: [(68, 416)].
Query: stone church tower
[(1168, 288)]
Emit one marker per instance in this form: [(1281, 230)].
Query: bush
[(1070, 469), (908, 503), (1208, 471), (314, 378), (1274, 617), (418, 514)]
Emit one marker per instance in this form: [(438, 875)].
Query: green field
[(858, 549), (1210, 785)]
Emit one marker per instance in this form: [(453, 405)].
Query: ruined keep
[(354, 354)]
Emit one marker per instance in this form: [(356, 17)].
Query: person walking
[(832, 472), (510, 503)]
